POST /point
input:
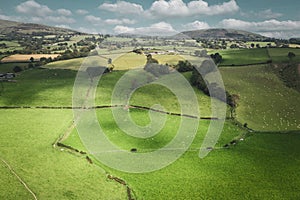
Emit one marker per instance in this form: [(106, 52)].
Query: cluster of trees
[(3, 45), (184, 66), (291, 55), (294, 41), (217, 58), (152, 66), (199, 77), (199, 80)]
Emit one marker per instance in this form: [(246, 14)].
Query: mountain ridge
[(221, 33), (7, 27)]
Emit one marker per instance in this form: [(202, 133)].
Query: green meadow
[(243, 56), (258, 164), (265, 102)]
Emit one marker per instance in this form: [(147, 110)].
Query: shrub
[(17, 69)]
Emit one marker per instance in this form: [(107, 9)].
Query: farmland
[(244, 56), (26, 58), (279, 55), (44, 153), (30, 153), (255, 84)]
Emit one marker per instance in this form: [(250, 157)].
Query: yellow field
[(168, 59), (129, 61), (72, 64), (26, 57)]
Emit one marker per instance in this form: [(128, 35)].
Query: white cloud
[(94, 20), (281, 34), (64, 12), (268, 14), (87, 30), (122, 7), (39, 13), (82, 12), (157, 29), (98, 21), (268, 25), (173, 8), (33, 8), (119, 21), (10, 18), (124, 29), (196, 25), (264, 14), (63, 26), (60, 19)]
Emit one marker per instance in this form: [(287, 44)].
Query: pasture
[(10, 46), (8, 67), (27, 136), (235, 57), (265, 102), (280, 55), (263, 165), (238, 172)]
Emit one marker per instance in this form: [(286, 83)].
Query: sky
[(273, 18)]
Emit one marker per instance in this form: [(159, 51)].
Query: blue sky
[(275, 18)]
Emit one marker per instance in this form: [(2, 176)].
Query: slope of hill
[(221, 34), (29, 28)]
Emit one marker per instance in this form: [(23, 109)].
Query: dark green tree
[(184, 66), (17, 69), (291, 55), (151, 60)]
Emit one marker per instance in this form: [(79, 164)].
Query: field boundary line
[(110, 106), (244, 65), (19, 178)]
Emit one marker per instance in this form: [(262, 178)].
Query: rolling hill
[(221, 34), (7, 27)]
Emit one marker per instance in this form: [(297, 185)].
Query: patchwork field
[(26, 58), (262, 164)]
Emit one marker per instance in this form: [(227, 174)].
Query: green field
[(238, 172), (27, 136), (280, 55), (233, 57), (263, 165), (11, 46), (8, 67), (72, 64), (265, 102)]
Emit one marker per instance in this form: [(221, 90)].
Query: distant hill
[(220, 34), (7, 27)]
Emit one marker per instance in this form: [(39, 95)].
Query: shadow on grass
[(36, 87)]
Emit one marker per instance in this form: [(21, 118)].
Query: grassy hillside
[(39, 87), (27, 137), (289, 74), (235, 57), (265, 102), (238, 172), (262, 166), (28, 28), (280, 55)]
